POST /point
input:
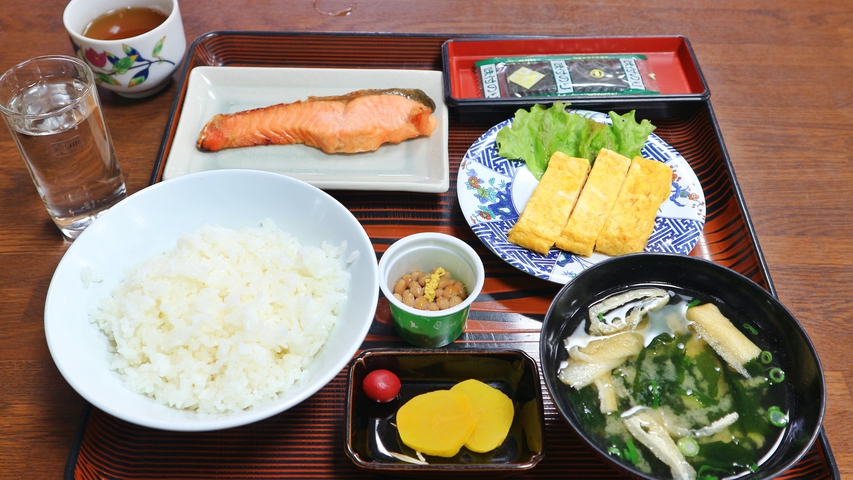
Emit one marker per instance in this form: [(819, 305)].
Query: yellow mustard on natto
[(432, 283)]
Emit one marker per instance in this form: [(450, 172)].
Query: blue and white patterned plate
[(493, 190)]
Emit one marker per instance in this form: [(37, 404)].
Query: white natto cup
[(133, 67)]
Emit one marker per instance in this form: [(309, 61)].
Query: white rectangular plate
[(416, 165)]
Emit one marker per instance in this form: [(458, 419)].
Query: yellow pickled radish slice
[(495, 415), (437, 423), (531, 426)]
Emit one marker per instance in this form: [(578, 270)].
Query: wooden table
[(779, 76)]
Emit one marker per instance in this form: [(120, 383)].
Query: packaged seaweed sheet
[(561, 75)]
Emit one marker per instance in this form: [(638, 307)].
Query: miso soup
[(672, 393)]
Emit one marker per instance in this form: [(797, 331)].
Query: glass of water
[(51, 106)]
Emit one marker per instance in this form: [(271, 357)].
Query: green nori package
[(561, 75)]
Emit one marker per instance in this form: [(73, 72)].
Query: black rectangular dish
[(308, 441), (371, 431)]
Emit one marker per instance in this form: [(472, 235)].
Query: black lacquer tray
[(308, 441)]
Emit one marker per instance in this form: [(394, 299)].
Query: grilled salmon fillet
[(359, 121)]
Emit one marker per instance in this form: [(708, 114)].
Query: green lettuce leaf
[(630, 135), (536, 134), (518, 142)]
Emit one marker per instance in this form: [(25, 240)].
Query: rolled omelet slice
[(632, 219), (552, 201), (594, 203)]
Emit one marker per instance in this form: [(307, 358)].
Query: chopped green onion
[(777, 417), (694, 303), (688, 446), (777, 375), (751, 329), (631, 452), (600, 316), (766, 357), (614, 450)]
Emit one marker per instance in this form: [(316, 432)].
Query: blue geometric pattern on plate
[(658, 150), (494, 235), (676, 235), (485, 189)]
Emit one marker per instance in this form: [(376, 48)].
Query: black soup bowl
[(751, 309)]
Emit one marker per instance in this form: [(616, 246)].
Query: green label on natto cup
[(429, 332)]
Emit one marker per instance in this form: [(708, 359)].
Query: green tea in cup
[(124, 23)]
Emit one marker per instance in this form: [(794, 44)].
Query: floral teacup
[(133, 67)]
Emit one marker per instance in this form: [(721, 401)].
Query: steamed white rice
[(227, 320)]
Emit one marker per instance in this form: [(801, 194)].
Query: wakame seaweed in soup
[(671, 392)]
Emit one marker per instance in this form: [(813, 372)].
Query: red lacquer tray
[(679, 79), (670, 57), (308, 440)]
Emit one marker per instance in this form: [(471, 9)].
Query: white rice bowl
[(284, 282)]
